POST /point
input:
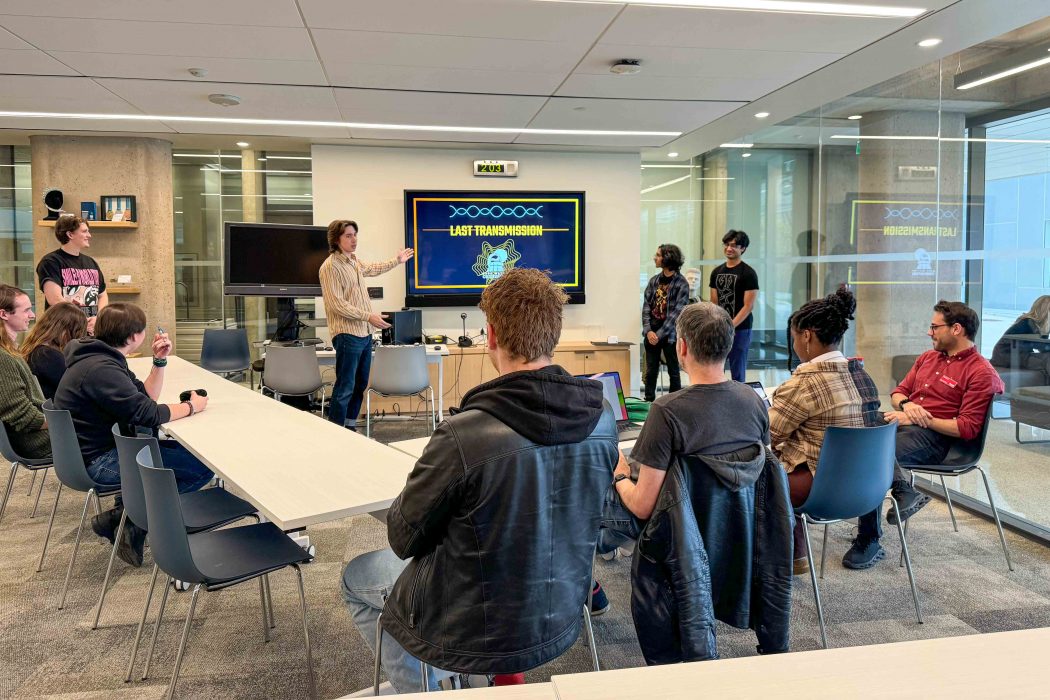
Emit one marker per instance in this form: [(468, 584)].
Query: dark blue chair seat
[(7, 451), (227, 557), (208, 509)]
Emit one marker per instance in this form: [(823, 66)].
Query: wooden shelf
[(123, 289), (95, 224)]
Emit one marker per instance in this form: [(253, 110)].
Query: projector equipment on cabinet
[(464, 340)]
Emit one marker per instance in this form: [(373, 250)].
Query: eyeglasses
[(935, 326)]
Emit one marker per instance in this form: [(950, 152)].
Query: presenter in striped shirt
[(350, 317)]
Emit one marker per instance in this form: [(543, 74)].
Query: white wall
[(367, 184)]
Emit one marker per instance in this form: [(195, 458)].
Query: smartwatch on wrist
[(620, 477), (190, 404), (900, 406)]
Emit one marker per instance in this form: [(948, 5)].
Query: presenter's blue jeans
[(367, 581), (737, 360), (353, 362)]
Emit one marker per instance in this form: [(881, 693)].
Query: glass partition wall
[(16, 219), (211, 188), (917, 189)]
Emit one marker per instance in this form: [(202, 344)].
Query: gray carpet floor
[(964, 588)]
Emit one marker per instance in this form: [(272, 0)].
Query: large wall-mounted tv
[(273, 260), (465, 240)]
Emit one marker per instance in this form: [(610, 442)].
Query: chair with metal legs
[(424, 667), (216, 559), (7, 451), (400, 370), (203, 510), (72, 473), (853, 476), (293, 371), (963, 458)]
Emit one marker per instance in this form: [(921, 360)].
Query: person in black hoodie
[(99, 390), (500, 516)]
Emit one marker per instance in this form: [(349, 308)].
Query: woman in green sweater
[(20, 396)]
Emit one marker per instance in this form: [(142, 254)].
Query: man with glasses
[(734, 287), (944, 398)]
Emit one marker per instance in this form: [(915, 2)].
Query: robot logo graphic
[(495, 260)]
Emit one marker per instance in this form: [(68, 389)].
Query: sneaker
[(910, 501), (132, 542), (609, 556), (599, 601), (105, 524), (801, 566), (864, 554)]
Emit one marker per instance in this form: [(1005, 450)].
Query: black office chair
[(7, 451), (213, 560), (963, 458), (203, 510), (225, 351), (72, 473)]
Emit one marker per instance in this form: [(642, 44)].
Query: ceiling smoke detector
[(224, 100), (627, 66), (198, 72)]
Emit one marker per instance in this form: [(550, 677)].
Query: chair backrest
[(225, 350), (854, 472), (292, 370), (400, 370), (167, 528), (900, 365), (131, 491), (965, 454), (65, 449)]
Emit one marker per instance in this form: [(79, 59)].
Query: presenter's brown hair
[(525, 310), (335, 230)]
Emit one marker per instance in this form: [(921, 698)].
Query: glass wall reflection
[(917, 189)]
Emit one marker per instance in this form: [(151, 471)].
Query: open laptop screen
[(612, 389)]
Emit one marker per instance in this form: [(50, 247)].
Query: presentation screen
[(273, 260), (465, 240)]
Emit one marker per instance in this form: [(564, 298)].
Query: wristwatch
[(192, 409), (900, 406), (620, 477)]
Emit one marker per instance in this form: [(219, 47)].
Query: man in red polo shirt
[(944, 398)]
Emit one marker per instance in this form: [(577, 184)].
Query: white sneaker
[(610, 556)]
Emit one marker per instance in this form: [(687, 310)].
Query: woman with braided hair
[(826, 389)]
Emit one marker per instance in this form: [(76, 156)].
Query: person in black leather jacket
[(500, 516), (717, 544)]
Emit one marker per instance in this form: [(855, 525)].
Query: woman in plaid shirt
[(822, 392)]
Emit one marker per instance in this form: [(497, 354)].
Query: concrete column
[(86, 167)]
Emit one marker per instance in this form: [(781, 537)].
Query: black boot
[(105, 524), (132, 542)]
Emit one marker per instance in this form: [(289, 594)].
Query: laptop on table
[(612, 389)]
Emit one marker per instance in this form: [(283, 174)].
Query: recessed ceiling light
[(790, 6), (761, 115), (855, 117), (745, 155), (243, 144), (927, 43), (736, 145), (672, 154), (224, 100), (333, 125)]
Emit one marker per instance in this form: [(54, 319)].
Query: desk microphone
[(464, 340)]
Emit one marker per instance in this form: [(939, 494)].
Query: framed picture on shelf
[(118, 207)]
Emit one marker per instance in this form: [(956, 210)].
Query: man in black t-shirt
[(734, 287), (67, 274), (711, 417)]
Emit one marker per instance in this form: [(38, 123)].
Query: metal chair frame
[(33, 466)]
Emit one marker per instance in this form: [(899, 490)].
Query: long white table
[(529, 691), (1000, 665), (296, 468)]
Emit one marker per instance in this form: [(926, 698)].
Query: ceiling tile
[(674, 61), (173, 39), (259, 102), (231, 70), (624, 142), (655, 88), (267, 13), (405, 107), (24, 93), (430, 136), (761, 31), (32, 62), (442, 80), (506, 19), (10, 41), (629, 115), (343, 51)]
